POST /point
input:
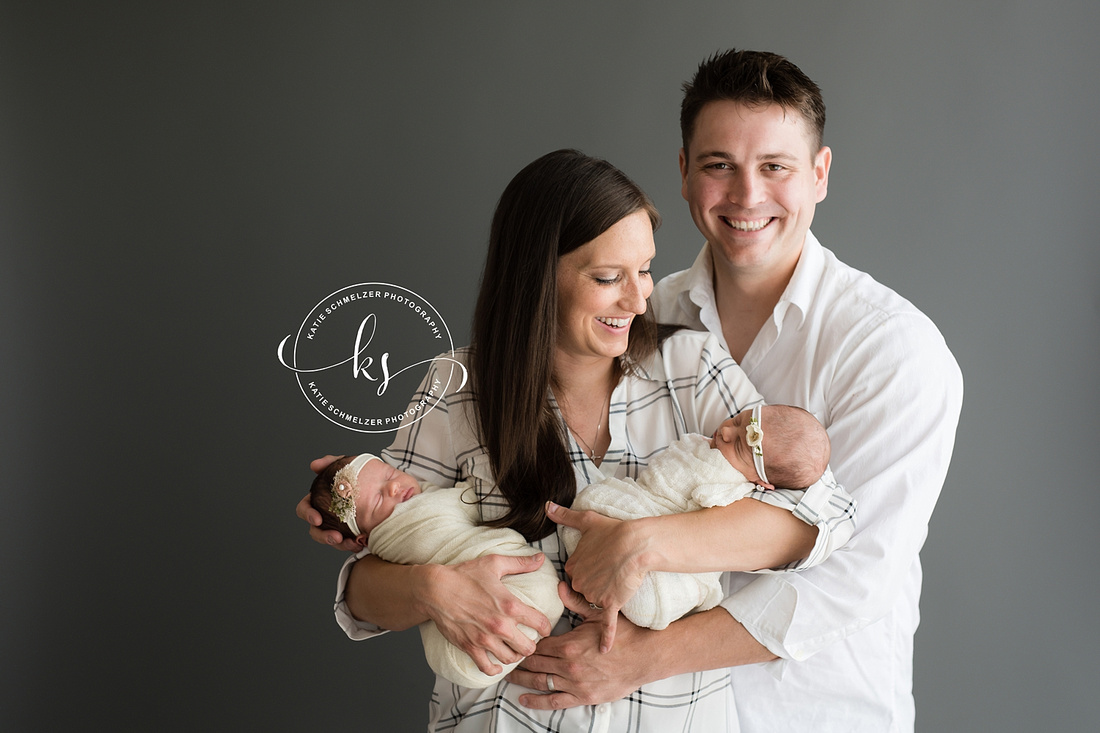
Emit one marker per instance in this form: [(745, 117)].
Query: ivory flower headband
[(754, 434), (345, 490)]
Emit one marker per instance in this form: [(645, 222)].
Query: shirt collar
[(697, 299), (799, 292), (699, 293)]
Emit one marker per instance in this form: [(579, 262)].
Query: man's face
[(752, 181)]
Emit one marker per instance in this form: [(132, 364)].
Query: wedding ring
[(594, 607), (550, 683)]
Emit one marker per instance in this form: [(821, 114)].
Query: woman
[(568, 383)]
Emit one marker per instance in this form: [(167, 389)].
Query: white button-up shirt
[(690, 386), (879, 376)]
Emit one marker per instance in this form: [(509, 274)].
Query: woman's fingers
[(317, 465), (478, 614), (607, 618)]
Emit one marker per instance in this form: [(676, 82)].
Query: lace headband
[(754, 434), (345, 490)]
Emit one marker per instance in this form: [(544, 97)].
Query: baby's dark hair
[(320, 497), (796, 446)]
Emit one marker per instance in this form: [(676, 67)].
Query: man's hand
[(607, 566), (582, 675), (305, 511)]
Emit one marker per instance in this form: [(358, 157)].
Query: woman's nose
[(635, 296)]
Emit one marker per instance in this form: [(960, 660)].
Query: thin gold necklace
[(599, 426)]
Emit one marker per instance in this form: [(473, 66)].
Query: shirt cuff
[(776, 667), (825, 505), (355, 629), (766, 610)]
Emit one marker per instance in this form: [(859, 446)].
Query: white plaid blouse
[(690, 385)]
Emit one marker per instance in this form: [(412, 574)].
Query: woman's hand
[(478, 614), (608, 565), (305, 511), (581, 674)]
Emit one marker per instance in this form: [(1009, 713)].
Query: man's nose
[(745, 189)]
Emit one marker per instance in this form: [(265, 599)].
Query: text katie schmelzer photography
[(362, 351)]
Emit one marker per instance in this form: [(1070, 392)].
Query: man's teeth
[(748, 226), (614, 322)]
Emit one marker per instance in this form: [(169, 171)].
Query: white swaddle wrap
[(437, 527), (688, 476)]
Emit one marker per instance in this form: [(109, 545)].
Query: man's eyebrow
[(722, 155), (713, 154)]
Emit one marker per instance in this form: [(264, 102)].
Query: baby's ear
[(361, 540)]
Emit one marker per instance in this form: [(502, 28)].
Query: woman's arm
[(742, 536), (613, 556)]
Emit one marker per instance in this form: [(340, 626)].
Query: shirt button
[(601, 709)]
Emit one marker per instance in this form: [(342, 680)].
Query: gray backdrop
[(181, 182)]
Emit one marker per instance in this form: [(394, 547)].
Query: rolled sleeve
[(355, 629), (825, 505)]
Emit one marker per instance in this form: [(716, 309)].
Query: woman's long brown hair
[(556, 204)]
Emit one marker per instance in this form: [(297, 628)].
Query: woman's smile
[(602, 286)]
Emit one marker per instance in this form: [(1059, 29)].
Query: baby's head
[(355, 493), (786, 444)]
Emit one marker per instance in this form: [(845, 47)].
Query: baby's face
[(381, 488), (732, 441)]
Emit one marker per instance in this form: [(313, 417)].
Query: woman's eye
[(606, 280)]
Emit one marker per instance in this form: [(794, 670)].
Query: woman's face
[(602, 286)]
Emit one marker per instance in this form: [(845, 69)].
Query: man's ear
[(822, 162), (683, 174)]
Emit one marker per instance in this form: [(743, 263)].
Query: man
[(813, 332)]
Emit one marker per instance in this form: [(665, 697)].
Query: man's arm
[(892, 408), (585, 676)]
